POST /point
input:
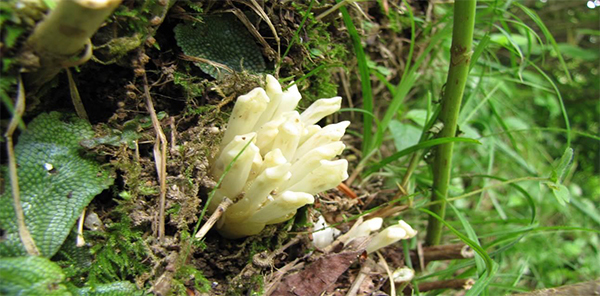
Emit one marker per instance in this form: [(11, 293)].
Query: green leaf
[(31, 276), (404, 135), (223, 39), (57, 180), (561, 192), (562, 166), (422, 145)]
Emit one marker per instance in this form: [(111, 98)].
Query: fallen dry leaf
[(321, 274)]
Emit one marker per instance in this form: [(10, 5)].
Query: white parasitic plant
[(284, 158)]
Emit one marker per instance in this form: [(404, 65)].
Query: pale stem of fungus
[(319, 109), (289, 100), (267, 134), (326, 135), (258, 192), (391, 235), (234, 181), (328, 175), (273, 90), (364, 229), (281, 208), (308, 132), (288, 161), (245, 114), (289, 134), (272, 158), (312, 160)]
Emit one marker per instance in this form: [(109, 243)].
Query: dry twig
[(24, 233), (214, 218), (160, 158)]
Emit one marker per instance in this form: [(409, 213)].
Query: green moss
[(120, 252), (322, 54)]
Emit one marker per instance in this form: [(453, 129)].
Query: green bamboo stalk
[(460, 52)]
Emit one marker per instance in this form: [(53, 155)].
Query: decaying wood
[(421, 257), (444, 252), (586, 288)]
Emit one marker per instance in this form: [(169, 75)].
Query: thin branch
[(221, 208), (160, 158)]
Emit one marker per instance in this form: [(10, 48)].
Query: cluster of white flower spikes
[(285, 158)]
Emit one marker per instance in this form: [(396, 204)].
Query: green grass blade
[(419, 146), (533, 16), (406, 83), (365, 80), (295, 37), (489, 263)]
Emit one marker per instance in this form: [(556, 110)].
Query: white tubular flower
[(323, 235), (289, 100), (274, 92), (289, 134), (319, 109), (364, 229), (390, 235), (245, 114), (281, 207), (326, 135), (236, 177), (312, 160), (258, 191), (326, 176), (288, 160), (308, 132)]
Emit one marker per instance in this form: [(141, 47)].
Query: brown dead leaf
[(321, 274)]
